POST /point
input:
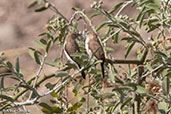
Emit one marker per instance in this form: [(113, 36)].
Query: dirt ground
[(19, 26)]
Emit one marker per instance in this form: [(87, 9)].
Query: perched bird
[(92, 44), (70, 47)]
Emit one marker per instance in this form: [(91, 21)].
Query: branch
[(53, 8), (63, 83), (138, 62), (23, 91), (38, 73), (126, 4), (30, 102)]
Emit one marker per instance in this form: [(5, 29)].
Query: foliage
[(140, 88)]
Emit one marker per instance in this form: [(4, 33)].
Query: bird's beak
[(78, 36)]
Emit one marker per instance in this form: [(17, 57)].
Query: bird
[(92, 44), (70, 47)]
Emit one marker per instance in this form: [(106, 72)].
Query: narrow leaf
[(94, 15), (43, 41), (129, 49), (10, 66), (46, 106), (38, 44), (165, 85), (17, 65), (41, 9), (61, 74), (7, 98), (37, 58), (116, 7), (141, 90), (32, 4), (48, 46), (2, 83), (102, 25)]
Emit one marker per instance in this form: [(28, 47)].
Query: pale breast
[(87, 48)]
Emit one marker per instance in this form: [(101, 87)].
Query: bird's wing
[(95, 45), (70, 48)]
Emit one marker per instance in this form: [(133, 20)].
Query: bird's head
[(73, 35), (90, 34)]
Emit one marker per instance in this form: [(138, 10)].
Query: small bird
[(70, 47), (92, 44)]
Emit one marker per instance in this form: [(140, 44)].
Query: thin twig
[(63, 83), (53, 8), (145, 75), (38, 73), (88, 95), (126, 4)]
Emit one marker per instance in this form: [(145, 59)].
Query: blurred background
[(19, 26)]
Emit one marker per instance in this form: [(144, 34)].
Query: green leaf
[(158, 2), (162, 106), (31, 52), (54, 63), (74, 107), (61, 74), (77, 88), (2, 83), (46, 106), (140, 14), (135, 33), (5, 74), (37, 58), (41, 9), (116, 7), (48, 46), (124, 24), (9, 64), (7, 98), (39, 1), (115, 37), (102, 25), (57, 110), (145, 2), (77, 54), (153, 6), (94, 15), (15, 78), (131, 39), (50, 86), (129, 49), (32, 4), (161, 54), (109, 49), (141, 90), (53, 94), (168, 73), (76, 9), (9, 89), (49, 35), (38, 44), (141, 20), (166, 85), (43, 41), (126, 102), (17, 65), (108, 95)]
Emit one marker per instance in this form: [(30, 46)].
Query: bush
[(142, 87)]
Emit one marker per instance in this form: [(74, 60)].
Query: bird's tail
[(102, 68), (82, 72)]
